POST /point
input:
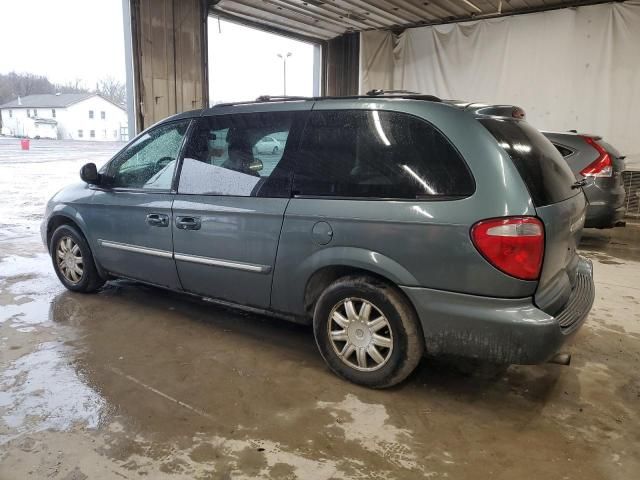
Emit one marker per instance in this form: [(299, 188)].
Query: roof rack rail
[(263, 99), (372, 93), (283, 98), (378, 92)]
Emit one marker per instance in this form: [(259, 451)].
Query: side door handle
[(158, 220), (188, 223)]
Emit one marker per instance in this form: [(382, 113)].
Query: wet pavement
[(134, 381)]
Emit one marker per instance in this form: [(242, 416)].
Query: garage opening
[(245, 63)]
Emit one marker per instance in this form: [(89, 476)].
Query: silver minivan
[(394, 224)]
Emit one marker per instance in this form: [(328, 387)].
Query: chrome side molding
[(249, 267), (135, 248), (216, 262)]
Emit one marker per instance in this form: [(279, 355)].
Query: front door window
[(150, 161)]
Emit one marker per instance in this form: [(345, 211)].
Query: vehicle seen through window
[(237, 155)]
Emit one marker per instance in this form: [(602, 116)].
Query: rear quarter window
[(378, 154), (540, 164)]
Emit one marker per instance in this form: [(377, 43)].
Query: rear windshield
[(541, 166)]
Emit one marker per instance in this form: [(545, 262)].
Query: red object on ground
[(24, 144)]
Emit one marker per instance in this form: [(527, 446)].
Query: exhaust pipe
[(561, 359), (620, 223)]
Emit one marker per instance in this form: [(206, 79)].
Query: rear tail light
[(514, 245), (602, 166)]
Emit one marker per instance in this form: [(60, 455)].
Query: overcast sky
[(63, 39), (83, 39), (243, 63)]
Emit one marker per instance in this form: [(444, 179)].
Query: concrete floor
[(133, 381)]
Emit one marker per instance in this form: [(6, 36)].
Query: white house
[(75, 116)]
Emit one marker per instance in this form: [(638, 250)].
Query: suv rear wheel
[(367, 332), (73, 260)]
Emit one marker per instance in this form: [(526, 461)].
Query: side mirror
[(256, 165), (89, 174)]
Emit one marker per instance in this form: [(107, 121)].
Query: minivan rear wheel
[(367, 332)]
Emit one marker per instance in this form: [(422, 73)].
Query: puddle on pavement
[(170, 367), (149, 370), (41, 391)]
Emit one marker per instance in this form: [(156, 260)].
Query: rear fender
[(357, 258)]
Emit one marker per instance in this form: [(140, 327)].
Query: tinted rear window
[(378, 154), (541, 166), (564, 151)]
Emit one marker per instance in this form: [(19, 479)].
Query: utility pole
[(284, 70)]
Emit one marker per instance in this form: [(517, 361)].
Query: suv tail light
[(602, 166), (514, 245)]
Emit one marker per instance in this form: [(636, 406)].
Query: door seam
[(275, 260)]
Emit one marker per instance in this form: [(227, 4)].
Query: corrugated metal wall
[(170, 58), (632, 188)]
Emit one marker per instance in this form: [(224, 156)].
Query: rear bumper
[(603, 215), (512, 331), (606, 203)]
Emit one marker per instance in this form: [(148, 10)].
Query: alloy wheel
[(360, 334), (69, 260)]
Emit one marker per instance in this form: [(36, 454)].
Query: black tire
[(90, 280), (402, 328)]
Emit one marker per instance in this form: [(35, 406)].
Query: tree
[(14, 85), (71, 86), (112, 89)]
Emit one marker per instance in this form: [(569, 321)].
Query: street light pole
[(284, 70)]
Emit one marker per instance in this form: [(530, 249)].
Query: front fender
[(67, 203), (71, 213)]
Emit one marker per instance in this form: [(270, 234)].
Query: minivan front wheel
[(367, 332), (73, 260)]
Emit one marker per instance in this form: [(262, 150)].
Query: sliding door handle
[(158, 220), (188, 223)]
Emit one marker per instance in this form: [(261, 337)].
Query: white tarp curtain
[(575, 68)]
